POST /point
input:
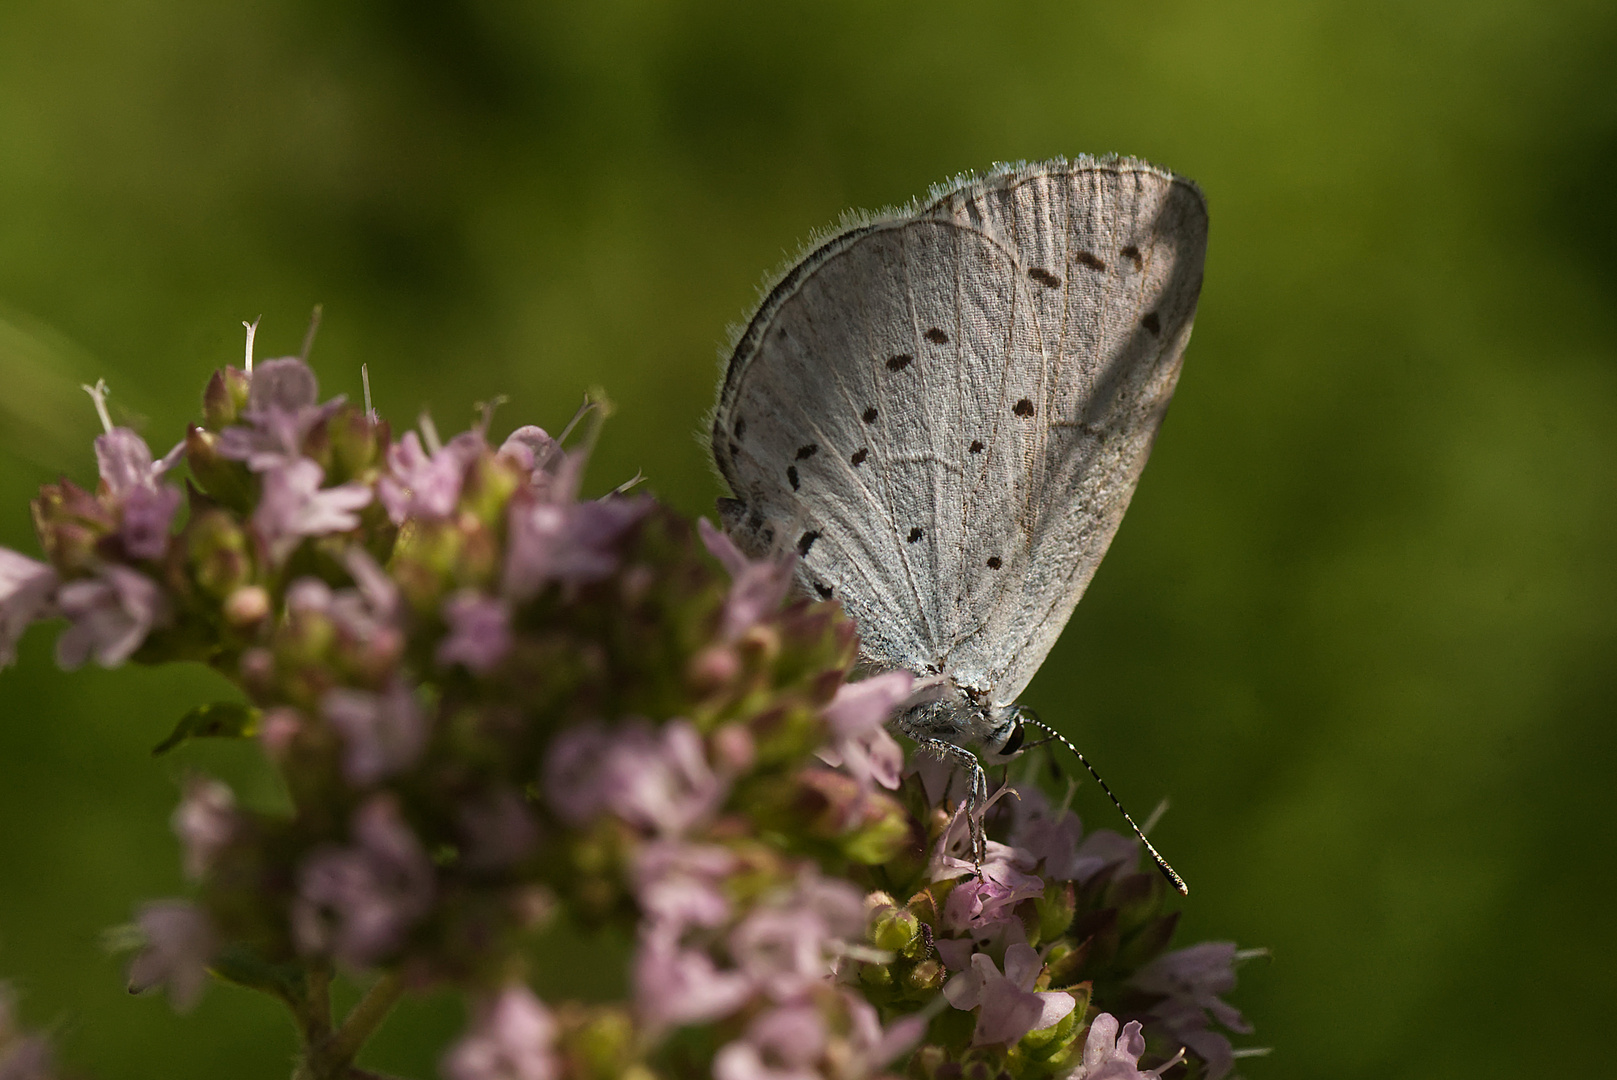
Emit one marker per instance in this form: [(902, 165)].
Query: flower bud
[(357, 444), (70, 523), (894, 929), (220, 554), (225, 397), (733, 747), (712, 668), (926, 977), (226, 482), (246, 606), (1055, 910)]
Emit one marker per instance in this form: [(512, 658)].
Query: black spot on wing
[(806, 541), (859, 455), (791, 475), (937, 337), (1044, 277), (976, 446), (1023, 408), (869, 415), (1151, 322), (899, 362), (823, 589), (734, 450), (741, 427), (994, 563), (805, 452), (915, 534), (1132, 254), (1084, 258)]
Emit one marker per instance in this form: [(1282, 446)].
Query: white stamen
[(638, 478), (1243, 955), (485, 413), (252, 329), (308, 335), (429, 433), (98, 394), (1253, 1051), (365, 377), (1153, 817)]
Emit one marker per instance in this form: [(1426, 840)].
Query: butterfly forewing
[(948, 412)]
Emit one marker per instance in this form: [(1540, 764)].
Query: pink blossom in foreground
[(180, 942), (205, 821), (1190, 982), (295, 506), (26, 588), (1110, 1055), (756, 589), (422, 485), (656, 778), (1009, 1008), (358, 903), (282, 408), (111, 616), (782, 1044), (676, 985), (858, 718), (383, 734), (567, 542), (479, 632), (680, 885), (512, 1037)]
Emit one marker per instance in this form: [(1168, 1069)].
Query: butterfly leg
[(976, 789)]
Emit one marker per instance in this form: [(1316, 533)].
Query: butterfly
[(944, 412)]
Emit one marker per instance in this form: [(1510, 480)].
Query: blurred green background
[(1359, 623)]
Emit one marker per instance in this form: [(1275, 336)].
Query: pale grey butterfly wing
[(946, 412), (1115, 252)]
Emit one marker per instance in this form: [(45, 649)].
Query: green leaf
[(221, 720), (242, 966)]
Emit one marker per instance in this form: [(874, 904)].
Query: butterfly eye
[(1014, 743)]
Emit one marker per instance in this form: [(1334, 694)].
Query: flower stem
[(361, 1023), (331, 1057)]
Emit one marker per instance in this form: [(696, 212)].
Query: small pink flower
[(756, 588), (1109, 1055), (679, 885), (858, 718), (991, 896), (180, 943), (568, 542), (358, 903), (25, 595), (111, 616), (294, 506), (479, 632), (782, 1044), (1190, 982), (675, 985), (383, 734), (419, 485), (282, 408), (1007, 1006), (512, 1037), (656, 778), (206, 822)]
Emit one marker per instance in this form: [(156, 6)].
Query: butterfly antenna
[(1162, 864)]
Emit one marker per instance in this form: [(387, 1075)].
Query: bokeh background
[(1359, 624)]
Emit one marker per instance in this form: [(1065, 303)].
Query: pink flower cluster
[(496, 704)]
